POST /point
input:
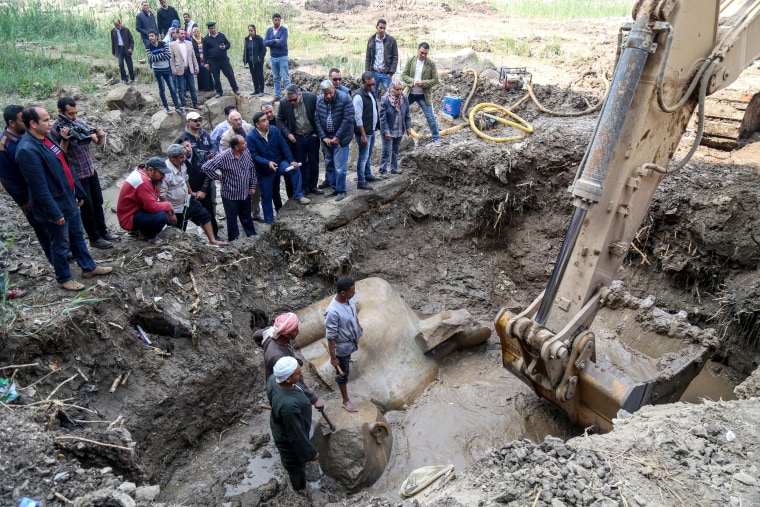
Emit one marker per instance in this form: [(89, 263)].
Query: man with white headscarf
[(290, 420), (276, 342)]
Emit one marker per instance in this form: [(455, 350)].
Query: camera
[(79, 133)]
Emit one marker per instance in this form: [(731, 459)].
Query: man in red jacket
[(138, 207)]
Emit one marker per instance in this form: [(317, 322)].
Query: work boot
[(324, 184), (98, 271), (72, 285), (364, 186), (101, 243)]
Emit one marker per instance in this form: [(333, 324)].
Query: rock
[(102, 497), (147, 493), (419, 211), (330, 6), (125, 97), (457, 61), (358, 449), (745, 478), (213, 110), (128, 487), (167, 126), (750, 388), (491, 75), (174, 319)]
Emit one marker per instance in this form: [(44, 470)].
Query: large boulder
[(213, 110), (124, 97), (457, 61), (167, 126), (357, 452)]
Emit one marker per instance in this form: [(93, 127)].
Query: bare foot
[(350, 407), (219, 243)]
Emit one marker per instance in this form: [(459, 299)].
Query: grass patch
[(551, 50), (511, 46), (563, 9), (38, 75)]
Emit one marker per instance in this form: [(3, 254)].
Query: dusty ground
[(492, 220)]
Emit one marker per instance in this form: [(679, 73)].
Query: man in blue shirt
[(276, 39)]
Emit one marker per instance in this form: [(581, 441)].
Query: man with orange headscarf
[(275, 340)]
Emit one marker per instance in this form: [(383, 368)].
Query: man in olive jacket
[(420, 76)]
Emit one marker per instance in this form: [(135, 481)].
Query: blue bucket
[(452, 106)]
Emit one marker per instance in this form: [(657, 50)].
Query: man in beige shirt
[(184, 67)]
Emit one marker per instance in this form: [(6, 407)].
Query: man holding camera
[(75, 137)]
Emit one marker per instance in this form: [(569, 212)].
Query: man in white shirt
[(184, 67), (420, 76)]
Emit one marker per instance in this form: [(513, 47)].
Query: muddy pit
[(472, 225)]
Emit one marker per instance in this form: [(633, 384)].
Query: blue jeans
[(149, 224), (428, 110), (280, 69), (166, 75), (234, 210), (69, 236), (337, 157), (390, 154), (363, 169), (266, 183), (186, 82), (381, 78)]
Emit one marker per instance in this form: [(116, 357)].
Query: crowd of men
[(282, 142)]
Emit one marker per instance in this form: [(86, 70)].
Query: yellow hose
[(491, 109)]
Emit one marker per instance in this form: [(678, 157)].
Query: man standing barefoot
[(343, 333)]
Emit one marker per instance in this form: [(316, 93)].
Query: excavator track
[(734, 112)]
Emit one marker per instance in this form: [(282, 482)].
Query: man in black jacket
[(165, 15), (215, 47), (55, 196), (145, 22), (382, 56), (295, 120), (122, 45)]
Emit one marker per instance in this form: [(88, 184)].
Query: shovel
[(327, 420)]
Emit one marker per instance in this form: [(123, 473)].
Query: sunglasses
[(337, 79), (293, 100)]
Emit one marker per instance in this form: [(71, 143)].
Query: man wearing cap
[(197, 135), (215, 47), (55, 196), (276, 39), (295, 119), (276, 342), (138, 208), (343, 331), (175, 188), (290, 420), (234, 167), (184, 67), (165, 15)]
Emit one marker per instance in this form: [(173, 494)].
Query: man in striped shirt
[(234, 167)]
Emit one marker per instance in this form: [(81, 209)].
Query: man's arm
[(283, 119), (12, 179), (210, 167), (394, 56), (318, 118), (250, 140), (31, 168), (114, 42), (358, 104), (407, 77), (129, 42), (369, 56)]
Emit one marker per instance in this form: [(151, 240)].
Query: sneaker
[(168, 111), (125, 82), (109, 236), (341, 196), (182, 110), (437, 143), (101, 243), (397, 171), (371, 178), (72, 285), (258, 218), (324, 184), (332, 194), (236, 93), (364, 186), (131, 81), (98, 271), (317, 191), (384, 176), (303, 200)]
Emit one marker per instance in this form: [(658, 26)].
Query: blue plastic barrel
[(452, 105)]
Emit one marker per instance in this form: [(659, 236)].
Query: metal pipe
[(589, 187)]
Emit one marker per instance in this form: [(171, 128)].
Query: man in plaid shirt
[(80, 161)]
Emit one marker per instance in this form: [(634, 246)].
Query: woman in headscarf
[(394, 121), (205, 79)]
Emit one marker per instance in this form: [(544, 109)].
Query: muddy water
[(712, 383), (475, 405)]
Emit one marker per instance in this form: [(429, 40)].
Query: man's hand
[(60, 221), (334, 141), (173, 219), (363, 140), (80, 202), (388, 136), (409, 132), (418, 83), (273, 165), (65, 133), (27, 208), (129, 51), (390, 76), (207, 66), (222, 47), (316, 457), (319, 404), (251, 191), (292, 138), (334, 361), (200, 195)]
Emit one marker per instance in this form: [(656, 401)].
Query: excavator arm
[(669, 59)]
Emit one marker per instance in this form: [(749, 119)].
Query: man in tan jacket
[(184, 67)]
